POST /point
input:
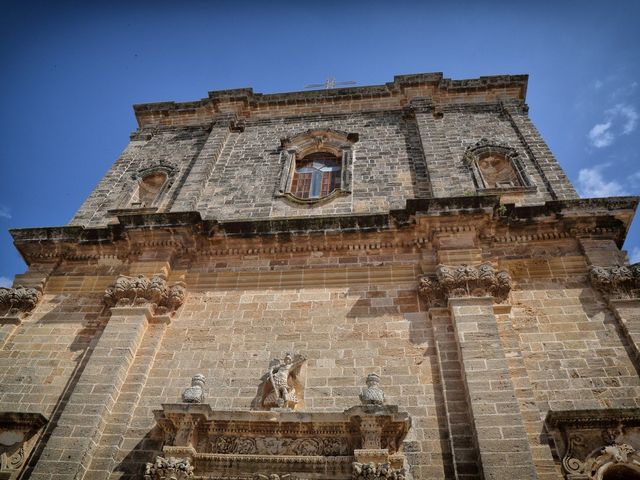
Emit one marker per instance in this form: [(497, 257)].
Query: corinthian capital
[(617, 282), (18, 300), (140, 290), (464, 281)]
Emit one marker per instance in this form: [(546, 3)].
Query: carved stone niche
[(18, 434), (464, 281), (597, 444), (617, 282), (288, 444)]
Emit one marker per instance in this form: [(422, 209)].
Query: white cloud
[(4, 212), (5, 282), (622, 119), (598, 84), (591, 183), (634, 255), (600, 135)]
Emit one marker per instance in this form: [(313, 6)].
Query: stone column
[(496, 420), (133, 303)]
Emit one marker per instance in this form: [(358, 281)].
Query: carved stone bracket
[(464, 281), (592, 442), (17, 437), (617, 282), (169, 469), (19, 300), (236, 444), (140, 290), (375, 471)]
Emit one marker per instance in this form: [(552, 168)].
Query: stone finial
[(18, 300), (195, 393), (169, 469), (372, 394), (617, 282), (375, 471), (140, 290), (465, 281)]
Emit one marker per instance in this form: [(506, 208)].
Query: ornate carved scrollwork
[(617, 282), (140, 290), (375, 471), (18, 300), (169, 469), (464, 281), (329, 447)]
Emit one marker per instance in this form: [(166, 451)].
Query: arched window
[(316, 166), (496, 168), (316, 175), (149, 188), (498, 172)]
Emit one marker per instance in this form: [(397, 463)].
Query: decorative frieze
[(375, 471), (617, 282), (18, 300), (229, 444), (169, 469), (464, 281), (140, 290)]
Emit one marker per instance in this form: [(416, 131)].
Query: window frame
[(296, 149), (485, 148)]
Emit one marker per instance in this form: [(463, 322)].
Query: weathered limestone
[(450, 264)]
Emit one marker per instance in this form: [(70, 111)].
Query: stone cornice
[(411, 227), (505, 88)]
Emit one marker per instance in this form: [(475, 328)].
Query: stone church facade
[(393, 281)]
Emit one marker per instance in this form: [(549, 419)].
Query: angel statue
[(280, 387)]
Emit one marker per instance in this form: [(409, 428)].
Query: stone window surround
[(484, 148), (296, 148), (129, 190)]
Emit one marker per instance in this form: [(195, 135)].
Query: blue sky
[(72, 70)]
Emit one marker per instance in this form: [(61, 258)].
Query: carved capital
[(140, 290), (18, 300), (616, 282), (169, 469), (374, 471), (464, 281)]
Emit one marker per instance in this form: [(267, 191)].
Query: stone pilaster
[(197, 178), (496, 419), (133, 302)]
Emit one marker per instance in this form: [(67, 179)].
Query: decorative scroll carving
[(591, 443), (235, 444), (617, 282), (328, 447), (17, 438), (375, 471), (141, 290), (280, 388), (274, 476), (372, 394), (18, 300), (195, 393), (169, 469), (464, 281)]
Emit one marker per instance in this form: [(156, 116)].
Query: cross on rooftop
[(329, 83)]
